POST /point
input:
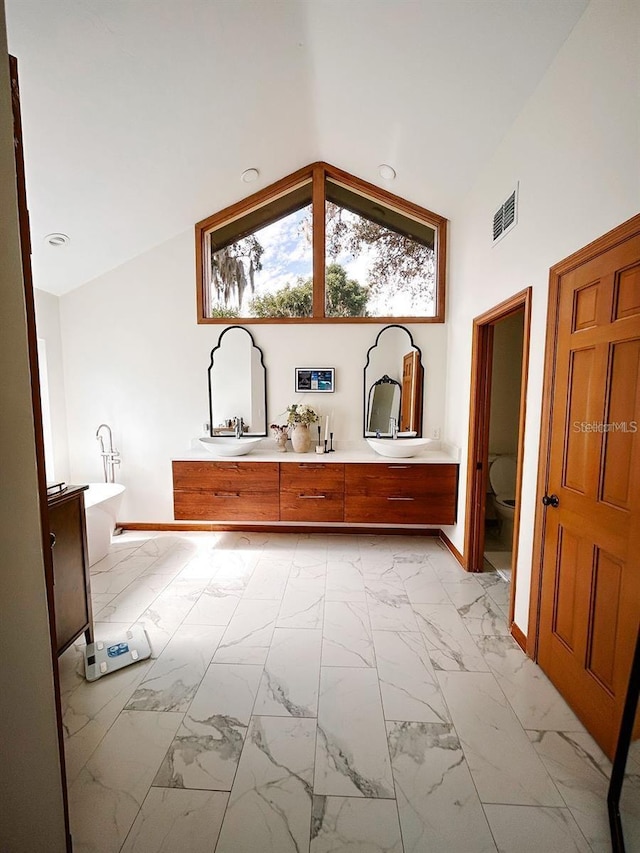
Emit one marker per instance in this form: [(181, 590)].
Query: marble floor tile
[(346, 823), (480, 613), (537, 703), (389, 608), (167, 612), (171, 820), (129, 604), (449, 643), (268, 580), (503, 764), (423, 587), (106, 796), (346, 635), (100, 600), (200, 566), (115, 579), (438, 803), (308, 565), (530, 829), (410, 690), (581, 772), (90, 711), (270, 804), (173, 680), (352, 756), (206, 749), (290, 682), (249, 633), (302, 604), (344, 581), (216, 605)]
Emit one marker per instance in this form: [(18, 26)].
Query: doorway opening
[(499, 370)]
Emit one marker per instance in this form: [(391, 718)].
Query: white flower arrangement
[(301, 413)]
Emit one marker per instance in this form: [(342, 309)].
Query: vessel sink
[(399, 448), (229, 445)]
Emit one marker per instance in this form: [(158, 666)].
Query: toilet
[(502, 477)]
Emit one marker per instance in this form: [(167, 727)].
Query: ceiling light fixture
[(249, 176), (386, 172), (57, 239)]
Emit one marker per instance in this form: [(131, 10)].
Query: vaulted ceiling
[(140, 115)]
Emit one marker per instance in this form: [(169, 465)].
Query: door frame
[(481, 363), (602, 244)]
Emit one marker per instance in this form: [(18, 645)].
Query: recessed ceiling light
[(249, 176), (57, 239), (386, 172)]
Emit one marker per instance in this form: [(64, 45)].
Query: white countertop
[(361, 452)]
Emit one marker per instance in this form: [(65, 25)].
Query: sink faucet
[(393, 427), (239, 426)]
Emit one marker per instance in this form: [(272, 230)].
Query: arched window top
[(321, 246)]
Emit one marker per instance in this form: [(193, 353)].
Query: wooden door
[(411, 416), (590, 595)]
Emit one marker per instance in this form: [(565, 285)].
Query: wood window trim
[(317, 174)]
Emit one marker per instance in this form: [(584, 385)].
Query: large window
[(321, 246)]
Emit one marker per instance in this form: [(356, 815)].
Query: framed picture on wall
[(316, 379)]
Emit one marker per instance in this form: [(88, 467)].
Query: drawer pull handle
[(400, 499), (309, 465), (397, 467), (312, 497), (226, 494)]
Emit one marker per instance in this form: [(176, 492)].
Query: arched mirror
[(237, 384), (393, 385)]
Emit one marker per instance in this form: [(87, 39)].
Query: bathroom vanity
[(71, 587), (350, 487)]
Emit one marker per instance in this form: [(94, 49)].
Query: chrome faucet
[(393, 427), (239, 426), (110, 457)]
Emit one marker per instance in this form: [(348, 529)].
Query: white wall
[(135, 358), (48, 322), (31, 785), (575, 149)]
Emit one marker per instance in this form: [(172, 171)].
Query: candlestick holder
[(331, 450), (325, 446), (319, 436)]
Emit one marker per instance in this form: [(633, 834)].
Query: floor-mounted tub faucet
[(110, 457)]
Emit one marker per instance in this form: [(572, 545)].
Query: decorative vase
[(301, 438), (281, 441)]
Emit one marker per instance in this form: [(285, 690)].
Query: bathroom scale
[(105, 656)]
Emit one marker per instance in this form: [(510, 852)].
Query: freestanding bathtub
[(101, 504)]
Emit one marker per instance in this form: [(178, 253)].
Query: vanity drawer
[(229, 476), (401, 493), (301, 476), (311, 491), (225, 505)]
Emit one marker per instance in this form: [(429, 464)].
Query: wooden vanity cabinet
[(311, 491), (401, 493), (226, 491), (375, 493), (71, 579)]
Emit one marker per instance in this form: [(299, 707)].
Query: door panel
[(590, 591)]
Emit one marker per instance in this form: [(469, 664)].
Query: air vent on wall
[(506, 216)]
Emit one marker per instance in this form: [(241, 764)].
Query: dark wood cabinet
[(311, 491), (401, 493), (375, 493), (71, 581), (226, 491)]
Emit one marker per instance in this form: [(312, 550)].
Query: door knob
[(551, 500)]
